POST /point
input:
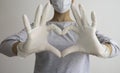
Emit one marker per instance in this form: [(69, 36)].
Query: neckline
[(61, 22)]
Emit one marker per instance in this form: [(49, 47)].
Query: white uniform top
[(47, 62)]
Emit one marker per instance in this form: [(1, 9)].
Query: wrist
[(14, 47), (21, 51)]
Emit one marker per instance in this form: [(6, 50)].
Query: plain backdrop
[(108, 22)]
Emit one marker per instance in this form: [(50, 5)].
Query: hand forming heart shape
[(37, 37), (87, 41)]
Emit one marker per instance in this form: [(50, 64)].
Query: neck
[(61, 17)]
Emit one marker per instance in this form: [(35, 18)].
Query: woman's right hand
[(37, 36)]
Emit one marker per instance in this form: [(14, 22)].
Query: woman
[(70, 43)]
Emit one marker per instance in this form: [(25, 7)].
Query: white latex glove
[(87, 41), (37, 36)]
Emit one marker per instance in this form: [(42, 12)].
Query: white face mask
[(61, 6)]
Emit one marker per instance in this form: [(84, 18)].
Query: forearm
[(109, 44), (6, 48)]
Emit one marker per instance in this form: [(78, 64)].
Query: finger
[(82, 12), (26, 23), (93, 19), (55, 28), (45, 13), (70, 50), (76, 16), (83, 16), (71, 27), (53, 50), (38, 16)]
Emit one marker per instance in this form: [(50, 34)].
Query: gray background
[(108, 22)]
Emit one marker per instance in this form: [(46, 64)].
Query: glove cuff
[(20, 51)]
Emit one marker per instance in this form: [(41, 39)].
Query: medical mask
[(61, 6)]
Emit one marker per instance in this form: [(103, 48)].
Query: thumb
[(53, 50), (70, 50)]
